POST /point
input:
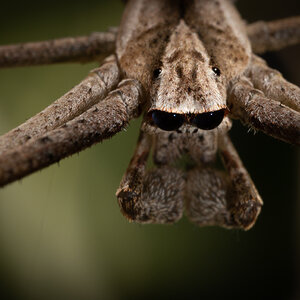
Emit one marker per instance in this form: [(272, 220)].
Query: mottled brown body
[(189, 66)]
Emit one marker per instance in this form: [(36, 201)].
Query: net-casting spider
[(188, 66)]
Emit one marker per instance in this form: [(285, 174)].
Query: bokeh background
[(61, 233)]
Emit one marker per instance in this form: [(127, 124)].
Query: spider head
[(187, 87)]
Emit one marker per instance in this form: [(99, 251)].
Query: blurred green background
[(61, 233)]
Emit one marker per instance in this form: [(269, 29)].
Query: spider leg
[(275, 35), (225, 199), (154, 196), (253, 108), (96, 46), (100, 122), (272, 84), (88, 92)]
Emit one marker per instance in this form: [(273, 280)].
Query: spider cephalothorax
[(188, 66)]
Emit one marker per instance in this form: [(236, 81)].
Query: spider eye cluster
[(171, 121)]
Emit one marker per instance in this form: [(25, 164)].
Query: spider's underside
[(190, 67)]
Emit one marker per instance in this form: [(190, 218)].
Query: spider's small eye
[(167, 121), (156, 73), (216, 71), (209, 120)]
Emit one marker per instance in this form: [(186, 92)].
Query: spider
[(188, 66)]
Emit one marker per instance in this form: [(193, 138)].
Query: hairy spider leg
[(274, 35), (272, 84), (95, 46), (100, 122), (271, 117), (91, 90)]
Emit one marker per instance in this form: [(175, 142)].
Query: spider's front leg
[(228, 199), (272, 83), (252, 107), (89, 91), (154, 196), (100, 122)]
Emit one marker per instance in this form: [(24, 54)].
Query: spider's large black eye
[(167, 121), (209, 120)]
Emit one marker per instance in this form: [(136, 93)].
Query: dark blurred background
[(61, 233)]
